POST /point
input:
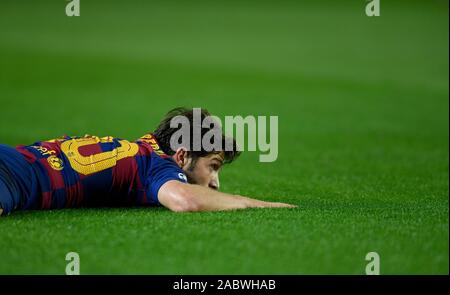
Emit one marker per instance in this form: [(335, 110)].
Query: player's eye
[(215, 167)]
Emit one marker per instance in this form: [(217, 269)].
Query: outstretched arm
[(183, 197)]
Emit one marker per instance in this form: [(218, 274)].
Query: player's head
[(201, 166)]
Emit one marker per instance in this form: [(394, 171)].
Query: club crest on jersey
[(56, 163)]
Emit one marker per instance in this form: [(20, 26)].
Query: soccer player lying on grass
[(90, 171)]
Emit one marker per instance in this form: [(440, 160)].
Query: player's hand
[(281, 205), (264, 204)]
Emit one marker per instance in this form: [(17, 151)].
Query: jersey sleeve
[(161, 171)]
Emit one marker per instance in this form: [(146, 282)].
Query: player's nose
[(214, 184)]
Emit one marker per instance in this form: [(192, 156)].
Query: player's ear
[(181, 157)]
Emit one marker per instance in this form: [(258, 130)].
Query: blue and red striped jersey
[(83, 171)]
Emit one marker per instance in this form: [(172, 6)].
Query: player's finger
[(283, 205)]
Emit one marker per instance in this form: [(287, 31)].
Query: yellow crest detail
[(56, 163)]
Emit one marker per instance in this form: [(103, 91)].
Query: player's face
[(205, 171)]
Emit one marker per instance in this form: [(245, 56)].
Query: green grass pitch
[(363, 131)]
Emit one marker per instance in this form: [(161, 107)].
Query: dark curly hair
[(164, 132)]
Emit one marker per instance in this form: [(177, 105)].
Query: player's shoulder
[(151, 143), (162, 159)]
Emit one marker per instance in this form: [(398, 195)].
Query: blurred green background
[(363, 130)]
